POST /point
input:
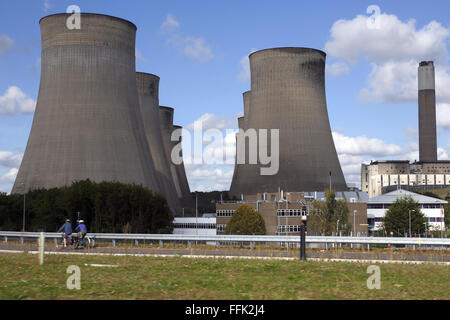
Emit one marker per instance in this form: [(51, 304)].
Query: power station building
[(282, 211), (95, 117), (428, 173), (287, 94)]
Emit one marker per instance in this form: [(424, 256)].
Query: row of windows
[(221, 227), (429, 220), (224, 213), (288, 228), (194, 225), (291, 212), (387, 205)]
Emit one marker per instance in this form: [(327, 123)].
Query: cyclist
[(67, 227), (82, 230)]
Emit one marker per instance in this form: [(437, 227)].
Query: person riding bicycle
[(82, 230), (67, 227)]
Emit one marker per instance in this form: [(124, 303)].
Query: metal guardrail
[(248, 239)]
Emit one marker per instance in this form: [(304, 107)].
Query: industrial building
[(428, 173), (96, 118), (432, 208), (288, 93), (282, 211), (200, 226), (380, 177)]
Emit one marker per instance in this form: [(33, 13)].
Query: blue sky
[(199, 50)]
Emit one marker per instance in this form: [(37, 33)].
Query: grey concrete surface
[(288, 93), (181, 173), (87, 123), (148, 92), (427, 112)]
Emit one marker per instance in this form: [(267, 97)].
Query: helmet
[(81, 221), (67, 220)]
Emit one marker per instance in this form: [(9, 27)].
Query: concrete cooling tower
[(427, 113), (87, 123), (177, 171), (148, 91), (181, 173), (288, 93)]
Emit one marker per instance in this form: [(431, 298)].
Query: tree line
[(109, 207)]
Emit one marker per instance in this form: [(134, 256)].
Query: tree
[(246, 221), (324, 216), (105, 207), (396, 219)]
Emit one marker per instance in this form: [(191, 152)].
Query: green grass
[(188, 278)]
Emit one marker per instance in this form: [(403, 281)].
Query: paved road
[(435, 256)]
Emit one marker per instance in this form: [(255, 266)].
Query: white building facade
[(432, 208), (201, 226)]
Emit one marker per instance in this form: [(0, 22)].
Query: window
[(224, 213), (288, 228), (221, 227), (292, 212)]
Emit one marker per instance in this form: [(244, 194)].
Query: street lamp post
[(409, 222), (303, 239), (354, 223)]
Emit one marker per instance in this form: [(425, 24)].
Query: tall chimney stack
[(427, 113)]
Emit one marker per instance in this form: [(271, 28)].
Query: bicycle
[(87, 243)]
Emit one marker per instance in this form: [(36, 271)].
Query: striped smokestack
[(427, 113)]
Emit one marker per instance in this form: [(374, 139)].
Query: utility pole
[(24, 206)]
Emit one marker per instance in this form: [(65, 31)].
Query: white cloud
[(337, 68), (193, 47), (16, 101), (244, 75), (9, 177), (393, 40), (364, 146), (140, 56), (47, 5), (170, 23), (6, 44), (10, 160), (394, 51), (443, 115), (211, 121), (197, 49)]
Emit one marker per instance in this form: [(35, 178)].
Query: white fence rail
[(248, 239)]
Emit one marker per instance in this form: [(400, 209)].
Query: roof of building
[(350, 196), (388, 161), (391, 197)]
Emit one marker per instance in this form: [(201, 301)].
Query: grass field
[(187, 278)]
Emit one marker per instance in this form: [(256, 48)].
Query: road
[(293, 253)]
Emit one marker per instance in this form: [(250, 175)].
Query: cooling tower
[(427, 113), (288, 93), (166, 123), (181, 173), (87, 122), (148, 92)]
